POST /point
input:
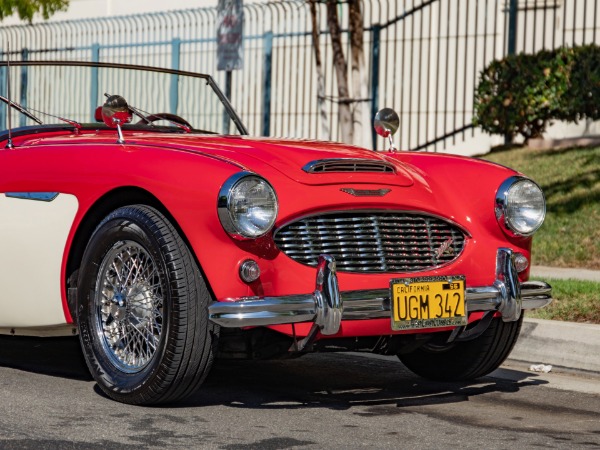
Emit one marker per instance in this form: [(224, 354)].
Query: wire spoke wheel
[(129, 301), (142, 309)]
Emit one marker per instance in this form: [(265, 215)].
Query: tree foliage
[(26, 9), (582, 99), (521, 94)]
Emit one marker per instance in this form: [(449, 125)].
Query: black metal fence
[(423, 57)]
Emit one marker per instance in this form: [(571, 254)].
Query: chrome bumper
[(327, 306)]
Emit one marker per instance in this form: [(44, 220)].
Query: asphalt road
[(48, 401)]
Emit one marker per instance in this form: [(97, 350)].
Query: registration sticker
[(428, 302)]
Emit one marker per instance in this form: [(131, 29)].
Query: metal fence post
[(94, 82), (375, 42), (512, 44), (267, 68), (24, 80), (512, 26), (3, 109), (175, 60)]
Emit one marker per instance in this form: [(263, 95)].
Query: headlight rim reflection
[(505, 205), (239, 229)]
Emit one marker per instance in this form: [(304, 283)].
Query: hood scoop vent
[(348, 165)]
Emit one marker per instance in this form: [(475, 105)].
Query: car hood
[(292, 158), (289, 157)]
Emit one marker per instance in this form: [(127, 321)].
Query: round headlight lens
[(247, 206), (521, 205)]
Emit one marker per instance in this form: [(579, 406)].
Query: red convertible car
[(136, 212)]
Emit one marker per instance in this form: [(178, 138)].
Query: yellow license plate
[(428, 302)]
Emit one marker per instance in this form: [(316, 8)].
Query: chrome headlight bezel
[(503, 208), (226, 207)]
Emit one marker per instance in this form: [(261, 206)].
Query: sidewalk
[(574, 346), (564, 273)]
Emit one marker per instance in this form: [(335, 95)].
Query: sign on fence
[(230, 23)]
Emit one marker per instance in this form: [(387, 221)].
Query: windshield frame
[(108, 65)]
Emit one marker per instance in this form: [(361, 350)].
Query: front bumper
[(326, 307)]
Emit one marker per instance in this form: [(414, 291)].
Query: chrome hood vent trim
[(348, 165)]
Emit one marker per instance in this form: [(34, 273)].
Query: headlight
[(247, 206), (520, 206)]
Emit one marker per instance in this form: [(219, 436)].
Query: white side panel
[(33, 235)]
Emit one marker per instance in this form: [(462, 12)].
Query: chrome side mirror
[(386, 124), (116, 112)]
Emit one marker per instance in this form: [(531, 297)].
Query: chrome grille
[(348, 165), (374, 242)]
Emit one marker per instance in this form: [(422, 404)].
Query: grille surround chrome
[(349, 165), (373, 241)]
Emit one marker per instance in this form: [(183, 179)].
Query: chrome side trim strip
[(39, 196), (67, 329), (375, 303)]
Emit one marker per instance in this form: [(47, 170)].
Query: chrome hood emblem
[(445, 248), (366, 192)]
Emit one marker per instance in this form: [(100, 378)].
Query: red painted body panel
[(185, 173)]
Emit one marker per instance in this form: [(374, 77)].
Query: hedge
[(582, 99), (522, 94)]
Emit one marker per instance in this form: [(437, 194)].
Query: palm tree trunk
[(360, 91), (341, 71), (325, 132)]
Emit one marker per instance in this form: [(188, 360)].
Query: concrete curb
[(565, 273), (569, 345), (574, 346)]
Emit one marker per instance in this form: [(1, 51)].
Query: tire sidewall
[(465, 360), (118, 227)]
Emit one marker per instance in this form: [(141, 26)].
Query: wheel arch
[(117, 198)]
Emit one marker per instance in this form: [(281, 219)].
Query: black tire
[(142, 310), (464, 360)]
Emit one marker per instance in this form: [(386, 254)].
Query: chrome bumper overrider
[(327, 306)]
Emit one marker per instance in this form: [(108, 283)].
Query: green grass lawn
[(570, 178), (574, 301), (570, 236)]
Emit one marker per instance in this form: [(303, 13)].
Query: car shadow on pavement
[(337, 381), (57, 356)]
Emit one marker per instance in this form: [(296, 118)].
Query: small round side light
[(249, 271), (521, 262)]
